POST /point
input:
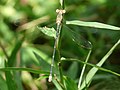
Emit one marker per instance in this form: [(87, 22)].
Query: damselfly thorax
[(59, 16)]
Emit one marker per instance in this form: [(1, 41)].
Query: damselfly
[(59, 25), (74, 36)]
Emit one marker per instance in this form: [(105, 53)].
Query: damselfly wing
[(78, 38)]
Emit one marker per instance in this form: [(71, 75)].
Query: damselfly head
[(57, 10), (60, 11)]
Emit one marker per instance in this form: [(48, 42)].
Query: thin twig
[(33, 23), (92, 65)]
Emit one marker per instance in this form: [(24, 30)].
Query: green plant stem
[(93, 71), (63, 6), (59, 56), (92, 65), (59, 62), (62, 86), (62, 3), (83, 69)]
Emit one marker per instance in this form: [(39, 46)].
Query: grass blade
[(93, 71), (18, 80), (92, 65), (43, 64), (83, 69), (92, 24), (57, 84), (3, 85), (11, 60), (74, 67), (69, 84), (10, 80), (24, 69)]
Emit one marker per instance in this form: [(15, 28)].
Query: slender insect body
[(58, 22), (59, 16)]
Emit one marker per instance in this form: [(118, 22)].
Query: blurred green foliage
[(19, 37)]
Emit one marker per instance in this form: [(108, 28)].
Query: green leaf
[(92, 24), (83, 69), (3, 85), (69, 84), (10, 80), (57, 84), (12, 57), (93, 71), (43, 77), (29, 57), (18, 80), (61, 2), (73, 67), (5, 33), (43, 64), (48, 31)]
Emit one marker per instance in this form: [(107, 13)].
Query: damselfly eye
[(63, 11), (57, 10)]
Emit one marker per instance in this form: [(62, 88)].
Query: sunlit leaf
[(42, 77), (61, 2), (48, 31)]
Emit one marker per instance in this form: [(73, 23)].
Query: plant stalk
[(83, 69)]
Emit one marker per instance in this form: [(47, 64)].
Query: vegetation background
[(19, 37)]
